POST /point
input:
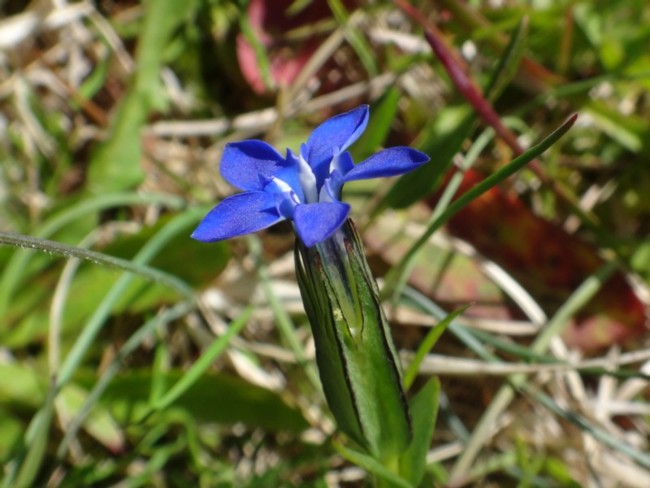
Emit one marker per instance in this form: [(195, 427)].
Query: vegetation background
[(131, 355)]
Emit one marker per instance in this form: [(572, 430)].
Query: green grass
[(131, 355)]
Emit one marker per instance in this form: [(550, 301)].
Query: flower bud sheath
[(356, 357)]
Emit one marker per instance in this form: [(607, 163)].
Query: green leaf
[(213, 397), (386, 477), (20, 268), (99, 423), (21, 385), (11, 431), (182, 259), (110, 370), (204, 362), (427, 344), (355, 38), (629, 130), (444, 137), (85, 340), (116, 164), (261, 54), (509, 61), (441, 140), (95, 80), (382, 116), (424, 410), (92, 282), (36, 440)]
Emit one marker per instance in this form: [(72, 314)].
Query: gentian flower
[(304, 187), (357, 361)]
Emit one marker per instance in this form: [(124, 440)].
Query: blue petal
[(343, 163), (389, 162), (315, 222), (238, 215), (332, 137), (244, 162)]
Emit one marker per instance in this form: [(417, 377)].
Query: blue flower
[(304, 187)]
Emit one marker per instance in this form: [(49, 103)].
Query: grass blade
[(204, 362), (426, 345), (394, 278)]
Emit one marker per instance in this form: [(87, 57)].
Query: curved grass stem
[(68, 251)]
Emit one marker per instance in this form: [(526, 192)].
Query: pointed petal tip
[(238, 215), (209, 231), (419, 157), (333, 137), (198, 235), (393, 161)]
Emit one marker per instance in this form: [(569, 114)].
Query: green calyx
[(358, 365)]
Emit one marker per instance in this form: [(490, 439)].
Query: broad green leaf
[(441, 140), (424, 410), (21, 385), (189, 260), (213, 397)]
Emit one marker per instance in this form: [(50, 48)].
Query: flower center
[(285, 197), (307, 180)]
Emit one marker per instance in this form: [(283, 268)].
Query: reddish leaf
[(270, 21), (550, 264)]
